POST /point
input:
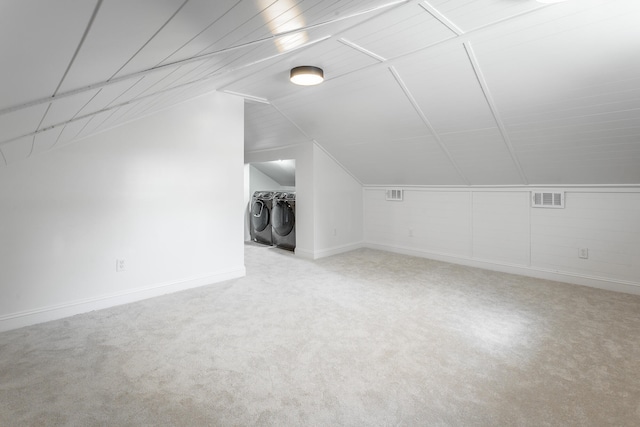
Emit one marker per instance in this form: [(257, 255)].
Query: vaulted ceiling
[(456, 92)]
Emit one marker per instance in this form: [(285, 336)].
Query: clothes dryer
[(283, 221), (260, 216)]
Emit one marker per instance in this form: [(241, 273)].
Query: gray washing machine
[(260, 217), (283, 220)]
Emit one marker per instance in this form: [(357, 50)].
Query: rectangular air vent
[(394, 194), (542, 199)]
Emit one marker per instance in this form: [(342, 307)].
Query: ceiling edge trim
[(475, 65), (441, 18)]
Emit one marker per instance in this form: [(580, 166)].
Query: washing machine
[(283, 220), (260, 217)]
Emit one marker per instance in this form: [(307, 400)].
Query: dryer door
[(259, 215), (283, 218)]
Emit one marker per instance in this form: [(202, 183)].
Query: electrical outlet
[(583, 253), (120, 265), (335, 231), (411, 232)]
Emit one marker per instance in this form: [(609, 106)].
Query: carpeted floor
[(366, 338)]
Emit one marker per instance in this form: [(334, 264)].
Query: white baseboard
[(46, 314), (304, 253), (558, 276), (337, 250)]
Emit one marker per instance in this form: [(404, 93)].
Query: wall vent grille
[(395, 194), (541, 199)]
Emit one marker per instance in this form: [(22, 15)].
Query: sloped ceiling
[(439, 92)]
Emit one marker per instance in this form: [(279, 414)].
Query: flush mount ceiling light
[(307, 75)]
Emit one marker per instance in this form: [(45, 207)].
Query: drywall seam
[(59, 311)]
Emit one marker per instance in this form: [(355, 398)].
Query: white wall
[(338, 207), (164, 193), (496, 228)]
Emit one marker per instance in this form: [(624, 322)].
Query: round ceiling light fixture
[(307, 75)]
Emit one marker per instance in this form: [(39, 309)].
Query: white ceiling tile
[(37, 41), (119, 30)]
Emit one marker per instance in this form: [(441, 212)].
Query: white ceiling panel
[(120, 29), (483, 156), (447, 91), (348, 109), (272, 81), (18, 150), (597, 171), (106, 96), (399, 31), (195, 17), (218, 36), (265, 128), (21, 122), (407, 162), (43, 141), (70, 131), (67, 108), (37, 42), (469, 15)]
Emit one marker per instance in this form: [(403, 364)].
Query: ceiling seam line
[(77, 118), (151, 38), (361, 49), (427, 123), (33, 140), (82, 40), (197, 35), (439, 16), (313, 141), (475, 65), (248, 97)]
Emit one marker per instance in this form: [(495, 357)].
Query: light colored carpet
[(366, 338)]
